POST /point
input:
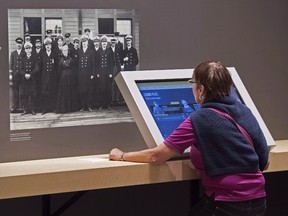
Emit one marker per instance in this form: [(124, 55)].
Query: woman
[(66, 99), (229, 165), (58, 47)]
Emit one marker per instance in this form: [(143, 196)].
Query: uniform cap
[(128, 37), (49, 31), (96, 38), (67, 35), (27, 45), (38, 41), (47, 40), (60, 37), (104, 38), (76, 39), (116, 33), (19, 40), (27, 35), (84, 38), (87, 29), (113, 40)]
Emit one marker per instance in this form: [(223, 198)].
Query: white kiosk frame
[(126, 81)]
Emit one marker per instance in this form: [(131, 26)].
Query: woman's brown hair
[(215, 78)]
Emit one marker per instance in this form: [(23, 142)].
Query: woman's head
[(60, 40), (212, 81)]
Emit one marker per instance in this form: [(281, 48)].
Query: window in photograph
[(124, 26), (55, 24), (106, 26), (32, 25)]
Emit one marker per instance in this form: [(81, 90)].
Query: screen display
[(171, 102)]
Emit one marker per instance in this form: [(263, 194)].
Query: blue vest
[(223, 147)]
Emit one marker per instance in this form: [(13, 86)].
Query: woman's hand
[(116, 154)]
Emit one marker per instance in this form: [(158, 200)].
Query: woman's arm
[(154, 156)]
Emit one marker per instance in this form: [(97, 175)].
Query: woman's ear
[(201, 92), (201, 89)]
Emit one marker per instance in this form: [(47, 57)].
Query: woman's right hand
[(116, 154)]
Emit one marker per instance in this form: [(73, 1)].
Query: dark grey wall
[(249, 35)]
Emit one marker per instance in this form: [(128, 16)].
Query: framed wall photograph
[(67, 101)]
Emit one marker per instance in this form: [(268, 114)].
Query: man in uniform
[(37, 53), (49, 77), (130, 55), (96, 42), (74, 53), (49, 34), (90, 42), (117, 62), (29, 70), (15, 77), (75, 50), (27, 38), (68, 41), (96, 90), (85, 75), (38, 47), (104, 70), (119, 44)]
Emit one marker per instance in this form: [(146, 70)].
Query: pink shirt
[(230, 187)]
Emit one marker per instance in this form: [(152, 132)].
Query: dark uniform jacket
[(133, 60), (85, 69), (120, 46), (49, 73), (58, 52), (104, 62), (96, 59), (38, 56), (90, 44), (28, 66), (74, 53), (15, 64), (70, 46), (117, 58)]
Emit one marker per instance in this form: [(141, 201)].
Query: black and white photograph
[(62, 65)]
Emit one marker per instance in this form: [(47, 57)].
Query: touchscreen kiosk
[(160, 100)]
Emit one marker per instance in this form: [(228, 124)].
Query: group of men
[(35, 75)]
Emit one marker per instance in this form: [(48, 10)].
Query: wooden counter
[(279, 157), (39, 177)]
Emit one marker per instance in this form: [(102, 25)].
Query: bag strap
[(242, 130)]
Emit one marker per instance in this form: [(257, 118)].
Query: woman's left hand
[(115, 154)]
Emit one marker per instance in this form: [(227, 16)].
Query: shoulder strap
[(242, 130)]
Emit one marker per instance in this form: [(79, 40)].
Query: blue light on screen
[(170, 102)]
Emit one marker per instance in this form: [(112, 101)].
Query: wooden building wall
[(71, 21)]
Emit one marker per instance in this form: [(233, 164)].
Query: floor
[(51, 120)]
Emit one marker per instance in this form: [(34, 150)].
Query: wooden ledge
[(38, 177), (50, 176), (279, 157)]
